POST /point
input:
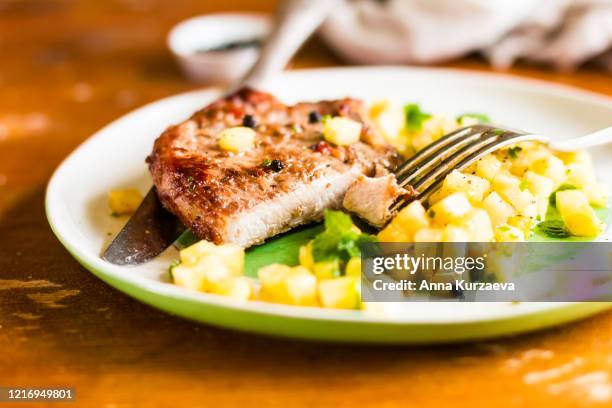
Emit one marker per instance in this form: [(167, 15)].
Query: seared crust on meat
[(225, 197)]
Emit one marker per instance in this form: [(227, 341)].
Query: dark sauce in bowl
[(233, 46)]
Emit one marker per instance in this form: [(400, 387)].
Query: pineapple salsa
[(328, 273), (507, 196)]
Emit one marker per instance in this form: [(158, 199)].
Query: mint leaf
[(173, 265), (415, 117), (340, 240), (553, 229), (514, 151)]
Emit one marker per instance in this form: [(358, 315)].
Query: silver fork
[(426, 170)]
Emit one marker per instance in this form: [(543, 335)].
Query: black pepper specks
[(277, 165), (249, 121), (314, 117)]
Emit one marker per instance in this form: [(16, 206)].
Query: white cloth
[(564, 33)]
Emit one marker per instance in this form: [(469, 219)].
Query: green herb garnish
[(480, 117), (415, 117), (514, 151), (504, 228), (266, 162), (524, 185), (553, 229), (340, 240), (325, 118), (190, 183), (553, 197)]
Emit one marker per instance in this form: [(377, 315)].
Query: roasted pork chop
[(371, 198), (289, 178)]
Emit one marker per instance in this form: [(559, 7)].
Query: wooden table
[(68, 68)]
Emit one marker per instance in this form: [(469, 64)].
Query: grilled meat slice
[(289, 178), (371, 197)]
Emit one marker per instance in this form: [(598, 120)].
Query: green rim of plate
[(346, 331), (323, 325)]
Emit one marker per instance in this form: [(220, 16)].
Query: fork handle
[(295, 21), (598, 138)]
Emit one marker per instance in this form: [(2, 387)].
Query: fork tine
[(471, 155), (459, 150), (485, 139), (428, 156)]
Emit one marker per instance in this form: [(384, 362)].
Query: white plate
[(114, 157)]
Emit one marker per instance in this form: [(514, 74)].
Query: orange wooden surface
[(67, 68)]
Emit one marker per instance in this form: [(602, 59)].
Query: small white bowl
[(189, 39)]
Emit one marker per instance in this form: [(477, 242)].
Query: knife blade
[(152, 229), (149, 231)]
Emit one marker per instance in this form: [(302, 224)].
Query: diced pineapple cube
[(207, 267), (124, 201), (340, 293), (208, 274), (389, 117), (283, 284), (393, 233), (523, 223), (488, 167), (597, 193), (451, 208), (230, 254), (403, 143), (580, 174), (452, 233), (305, 256), (580, 156), (498, 209), (551, 167), (508, 233), (429, 235), (412, 217), (326, 269), (191, 254), (578, 216), (518, 159), (475, 187), (271, 280), (240, 288), (301, 287), (422, 139), (539, 186), (436, 196), (237, 139), (439, 125), (187, 278), (406, 222), (341, 131), (478, 224), (353, 267), (233, 256), (511, 189)]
